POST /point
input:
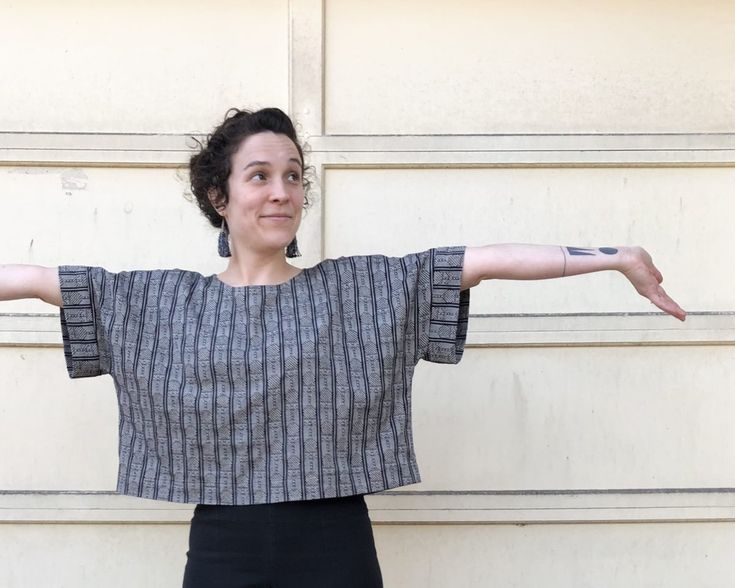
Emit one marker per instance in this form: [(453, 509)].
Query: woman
[(273, 397)]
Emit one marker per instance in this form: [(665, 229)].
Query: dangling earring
[(293, 249), (223, 244)]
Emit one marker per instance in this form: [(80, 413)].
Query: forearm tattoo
[(584, 251)]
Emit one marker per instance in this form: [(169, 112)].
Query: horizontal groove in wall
[(34, 330), (403, 508), (601, 329), (538, 142), (382, 150)]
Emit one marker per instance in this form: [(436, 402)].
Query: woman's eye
[(294, 177), (258, 176)]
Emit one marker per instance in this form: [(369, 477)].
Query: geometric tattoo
[(580, 251), (583, 251)]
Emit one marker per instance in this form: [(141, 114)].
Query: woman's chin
[(274, 244), (275, 247)]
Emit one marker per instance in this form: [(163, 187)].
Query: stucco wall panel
[(603, 556), (529, 67), (425, 556), (119, 218), (577, 418), (504, 419), (58, 434), (114, 556), (139, 67), (663, 209)]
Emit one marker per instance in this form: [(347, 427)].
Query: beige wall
[(575, 410), (139, 67), (666, 209), (527, 66)]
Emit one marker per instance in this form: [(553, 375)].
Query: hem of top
[(300, 498)]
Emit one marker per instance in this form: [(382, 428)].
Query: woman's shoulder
[(370, 266), (138, 277), (406, 260)]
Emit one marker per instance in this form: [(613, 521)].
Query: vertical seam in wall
[(306, 36), (322, 67)]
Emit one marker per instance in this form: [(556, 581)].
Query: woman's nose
[(279, 191)]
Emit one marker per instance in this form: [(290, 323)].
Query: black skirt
[(321, 543)]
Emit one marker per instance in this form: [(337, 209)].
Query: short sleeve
[(86, 350), (446, 307)]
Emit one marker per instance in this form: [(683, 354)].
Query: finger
[(657, 274), (663, 301)]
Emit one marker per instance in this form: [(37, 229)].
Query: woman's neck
[(257, 270)]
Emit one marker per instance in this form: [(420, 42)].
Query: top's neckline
[(215, 278)]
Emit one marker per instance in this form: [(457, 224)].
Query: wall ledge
[(407, 507)]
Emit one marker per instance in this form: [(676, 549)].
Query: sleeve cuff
[(79, 322), (450, 307)]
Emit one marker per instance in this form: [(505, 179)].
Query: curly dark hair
[(210, 167)]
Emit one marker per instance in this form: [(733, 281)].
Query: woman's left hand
[(638, 267)]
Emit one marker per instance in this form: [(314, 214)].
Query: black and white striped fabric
[(262, 394)]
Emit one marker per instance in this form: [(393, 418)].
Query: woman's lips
[(276, 217)]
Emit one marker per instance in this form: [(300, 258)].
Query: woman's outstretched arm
[(30, 281), (538, 262)]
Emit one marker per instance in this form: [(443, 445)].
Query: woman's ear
[(217, 200)]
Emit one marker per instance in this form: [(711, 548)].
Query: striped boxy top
[(262, 394)]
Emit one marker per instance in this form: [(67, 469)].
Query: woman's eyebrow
[(254, 163), (267, 163)]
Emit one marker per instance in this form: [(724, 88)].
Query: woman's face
[(266, 193)]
